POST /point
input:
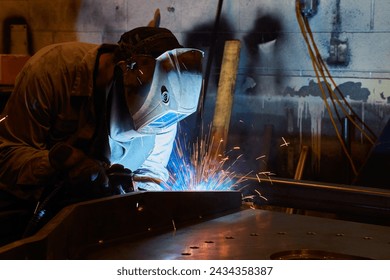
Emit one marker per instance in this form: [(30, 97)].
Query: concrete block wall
[(276, 84)]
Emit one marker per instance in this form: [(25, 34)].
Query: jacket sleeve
[(23, 134), (155, 166)]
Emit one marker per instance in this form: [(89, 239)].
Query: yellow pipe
[(224, 100)]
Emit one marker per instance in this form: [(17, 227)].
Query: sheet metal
[(257, 234), (102, 221), (213, 225)]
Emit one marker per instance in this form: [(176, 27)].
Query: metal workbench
[(208, 225), (257, 234)]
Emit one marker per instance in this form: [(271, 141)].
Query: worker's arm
[(40, 113), (153, 172), (23, 151)]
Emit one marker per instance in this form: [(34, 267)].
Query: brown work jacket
[(53, 102)]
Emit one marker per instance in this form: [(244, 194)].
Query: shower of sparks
[(196, 168)]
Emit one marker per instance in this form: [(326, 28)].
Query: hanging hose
[(211, 53), (322, 72)]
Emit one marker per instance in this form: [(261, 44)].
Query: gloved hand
[(78, 169), (121, 179)]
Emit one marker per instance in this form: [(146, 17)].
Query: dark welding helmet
[(162, 80)]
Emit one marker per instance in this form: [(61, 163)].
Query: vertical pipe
[(224, 101), (372, 15), (347, 133), (347, 138)]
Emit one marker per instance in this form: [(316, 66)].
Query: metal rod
[(301, 163), (310, 184), (210, 57)]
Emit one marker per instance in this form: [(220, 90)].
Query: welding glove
[(79, 170), (120, 178)]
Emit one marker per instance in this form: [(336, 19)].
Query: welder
[(96, 119)]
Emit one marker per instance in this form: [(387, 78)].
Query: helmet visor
[(164, 90)]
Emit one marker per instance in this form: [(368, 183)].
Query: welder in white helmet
[(80, 111)]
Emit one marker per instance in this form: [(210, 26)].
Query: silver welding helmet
[(162, 86)]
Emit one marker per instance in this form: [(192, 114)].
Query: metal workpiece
[(199, 226), (348, 202), (258, 234), (84, 225)]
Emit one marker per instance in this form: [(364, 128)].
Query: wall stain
[(262, 43), (313, 89), (265, 29), (353, 90), (200, 37)]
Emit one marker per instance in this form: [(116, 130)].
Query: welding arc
[(196, 169), (323, 73)]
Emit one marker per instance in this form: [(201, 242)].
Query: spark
[(266, 173), (285, 143), (3, 118), (195, 167), (252, 196), (140, 82), (173, 224), (260, 195)]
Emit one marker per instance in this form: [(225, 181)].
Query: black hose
[(43, 212)]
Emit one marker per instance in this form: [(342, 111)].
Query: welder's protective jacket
[(53, 101)]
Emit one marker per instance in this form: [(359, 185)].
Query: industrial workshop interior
[(286, 155)]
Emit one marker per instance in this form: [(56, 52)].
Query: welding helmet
[(162, 80)]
